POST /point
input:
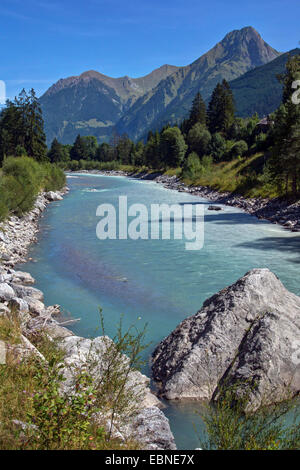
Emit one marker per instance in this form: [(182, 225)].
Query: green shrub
[(31, 393), (192, 167), (229, 427), (22, 182), (53, 177), (239, 149)]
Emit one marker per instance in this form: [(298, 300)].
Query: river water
[(157, 282)]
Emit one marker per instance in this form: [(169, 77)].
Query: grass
[(10, 330), (243, 176)]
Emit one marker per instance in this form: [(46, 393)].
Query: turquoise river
[(157, 281)]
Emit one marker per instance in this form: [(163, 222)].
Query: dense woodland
[(265, 155)]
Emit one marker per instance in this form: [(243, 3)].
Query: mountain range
[(95, 104)]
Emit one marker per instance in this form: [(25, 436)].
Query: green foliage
[(56, 153), (54, 178), (199, 139), (91, 145), (229, 428), (152, 151), (217, 147), (197, 115), (22, 128), (79, 150), (62, 421), (285, 158), (31, 393), (221, 108), (22, 179), (192, 167), (173, 147), (239, 149)]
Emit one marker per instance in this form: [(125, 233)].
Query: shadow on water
[(281, 244), (231, 218)]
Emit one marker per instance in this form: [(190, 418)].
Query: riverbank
[(149, 427), (277, 211)]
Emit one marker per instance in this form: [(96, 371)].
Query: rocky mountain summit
[(246, 336)]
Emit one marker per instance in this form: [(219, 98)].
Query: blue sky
[(44, 40)]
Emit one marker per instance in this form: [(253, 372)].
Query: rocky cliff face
[(247, 335)]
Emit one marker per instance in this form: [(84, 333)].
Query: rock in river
[(249, 331)]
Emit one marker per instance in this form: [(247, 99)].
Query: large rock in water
[(247, 335)]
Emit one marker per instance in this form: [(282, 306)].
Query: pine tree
[(55, 153), (78, 151), (152, 151), (21, 125), (198, 112), (221, 109)]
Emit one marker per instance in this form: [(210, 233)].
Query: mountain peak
[(249, 45), (96, 103)]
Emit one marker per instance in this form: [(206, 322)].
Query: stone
[(26, 291), (151, 428), (56, 331), (18, 304), (24, 350), (248, 332), (20, 277), (3, 237), (4, 310), (6, 292), (147, 425), (52, 196), (36, 307)]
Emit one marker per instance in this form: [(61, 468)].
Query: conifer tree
[(78, 151), (221, 109), (21, 125), (198, 111), (55, 153)]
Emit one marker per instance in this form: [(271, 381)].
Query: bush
[(192, 167), (239, 149), (199, 139), (54, 178), (31, 394), (229, 427), (21, 180), (217, 146)]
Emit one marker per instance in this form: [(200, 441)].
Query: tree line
[(209, 135), (208, 131)]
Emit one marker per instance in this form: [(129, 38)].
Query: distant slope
[(170, 101), (259, 91), (92, 103)]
